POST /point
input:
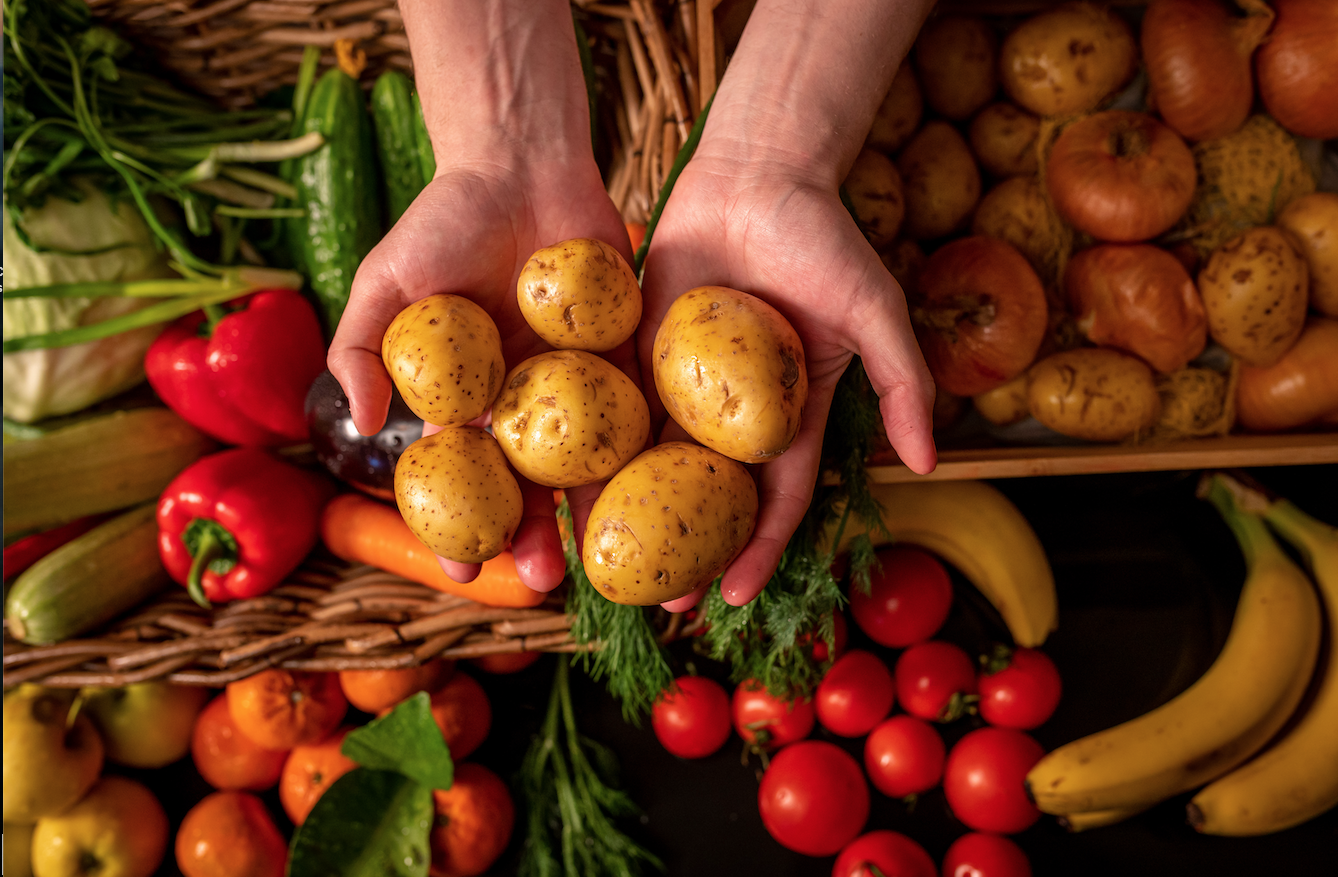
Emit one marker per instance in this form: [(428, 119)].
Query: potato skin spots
[(444, 354), (1094, 393), (671, 521), (580, 295), (730, 370)]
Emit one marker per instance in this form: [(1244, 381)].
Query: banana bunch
[(978, 530), (1251, 691)]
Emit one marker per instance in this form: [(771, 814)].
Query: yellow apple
[(47, 765), (118, 830), (18, 850), (147, 724)]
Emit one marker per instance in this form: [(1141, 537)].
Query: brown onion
[(1198, 54), (1299, 388), (1120, 176), (1298, 67), (980, 315), (1138, 298)]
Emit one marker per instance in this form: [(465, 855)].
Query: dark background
[(1147, 577)]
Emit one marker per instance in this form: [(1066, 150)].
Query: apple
[(48, 766), (18, 850), (147, 724), (118, 828)]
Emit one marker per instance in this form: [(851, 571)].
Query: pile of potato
[(962, 145), (728, 368)]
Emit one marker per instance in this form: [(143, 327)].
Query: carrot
[(360, 529), (637, 232)]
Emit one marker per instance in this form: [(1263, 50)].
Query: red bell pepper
[(235, 523), (243, 377), (23, 553)]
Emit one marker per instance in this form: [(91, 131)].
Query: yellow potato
[(1015, 211), (1254, 289), (874, 188), (1067, 59), (1313, 219), (940, 180), (899, 114), (1003, 137), (567, 418), (457, 495), (445, 356), (1094, 393), (730, 370), (580, 295), (1006, 403), (957, 58), (671, 521)]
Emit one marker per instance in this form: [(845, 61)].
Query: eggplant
[(366, 462)]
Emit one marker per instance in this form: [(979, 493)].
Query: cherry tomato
[(693, 720), (984, 776), (904, 756), (813, 798), (908, 599), (929, 674), (985, 855), (839, 637), (769, 722), (892, 853), (1023, 694), (856, 694)]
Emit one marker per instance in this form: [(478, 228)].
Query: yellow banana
[(1076, 822), (978, 530), (1296, 778), (1222, 719)]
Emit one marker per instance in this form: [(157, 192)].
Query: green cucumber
[(338, 187), (87, 582), (393, 112), (427, 159)]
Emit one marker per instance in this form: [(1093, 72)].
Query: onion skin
[(1140, 299), (980, 315), (1297, 68), (1198, 54), (1120, 176), (1298, 389)]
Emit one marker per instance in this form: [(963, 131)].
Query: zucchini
[(393, 111), (89, 581), (427, 160), (338, 188), (97, 465)]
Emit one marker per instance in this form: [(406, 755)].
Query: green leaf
[(370, 823), (407, 741)]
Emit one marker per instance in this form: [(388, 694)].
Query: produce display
[(1112, 225)]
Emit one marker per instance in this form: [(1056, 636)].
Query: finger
[(537, 545), (581, 500), (459, 572), (684, 603)]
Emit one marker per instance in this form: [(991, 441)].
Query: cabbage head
[(46, 383)]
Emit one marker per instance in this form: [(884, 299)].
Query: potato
[(1313, 219), (874, 187), (567, 418), (1093, 393), (456, 493), (903, 260), (1068, 59), (445, 356), (671, 521), (941, 181), (1016, 211), (899, 114), (957, 59), (730, 370), (1254, 289), (580, 295), (1003, 137), (1005, 404)]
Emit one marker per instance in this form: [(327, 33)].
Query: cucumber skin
[(88, 581), (393, 110), (427, 160), (339, 188)]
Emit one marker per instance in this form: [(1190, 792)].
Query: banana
[(1222, 719), (1076, 822), (1297, 778), (978, 530)]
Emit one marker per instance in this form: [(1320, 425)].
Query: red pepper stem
[(212, 314), (209, 549)]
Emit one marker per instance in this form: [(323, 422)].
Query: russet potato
[(444, 354)]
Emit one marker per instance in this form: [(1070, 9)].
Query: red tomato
[(1023, 694), (985, 855), (856, 694), (984, 776), (839, 637), (813, 798), (767, 721), (904, 756), (892, 853), (908, 599), (692, 721), (505, 662), (929, 674)]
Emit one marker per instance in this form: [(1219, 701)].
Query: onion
[(1298, 67), (1198, 63), (1140, 299), (1120, 176), (980, 315), (1299, 388)]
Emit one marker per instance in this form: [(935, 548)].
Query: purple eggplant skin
[(366, 462)]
